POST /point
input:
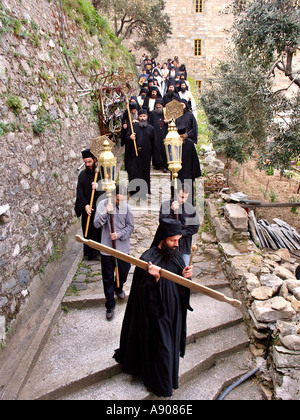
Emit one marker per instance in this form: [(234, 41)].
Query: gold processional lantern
[(173, 141), (173, 145), (107, 167)]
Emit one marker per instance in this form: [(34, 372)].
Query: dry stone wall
[(44, 125), (264, 280)]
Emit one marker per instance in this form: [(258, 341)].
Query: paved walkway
[(87, 283)]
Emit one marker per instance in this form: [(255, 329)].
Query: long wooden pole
[(91, 205), (131, 126), (164, 273), (112, 225)]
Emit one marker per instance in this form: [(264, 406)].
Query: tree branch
[(133, 25)]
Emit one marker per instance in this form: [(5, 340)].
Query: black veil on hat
[(87, 154), (133, 105), (166, 229), (184, 101)]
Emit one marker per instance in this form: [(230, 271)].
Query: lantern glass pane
[(180, 152), (113, 173), (108, 171), (176, 152), (170, 152), (102, 172)]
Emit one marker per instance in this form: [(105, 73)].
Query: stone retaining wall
[(44, 125), (264, 280)]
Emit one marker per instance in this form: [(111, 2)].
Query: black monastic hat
[(87, 154), (181, 129), (143, 111), (166, 229)]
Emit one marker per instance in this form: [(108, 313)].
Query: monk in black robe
[(181, 208), (133, 108), (151, 97), (171, 94), (160, 125), (190, 165), (85, 185), (138, 167), (189, 121), (153, 333)]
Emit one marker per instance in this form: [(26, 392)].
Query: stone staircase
[(70, 355), (77, 362)]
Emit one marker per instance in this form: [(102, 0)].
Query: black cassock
[(83, 197), (161, 130), (153, 333), (190, 162), (189, 121), (138, 167)]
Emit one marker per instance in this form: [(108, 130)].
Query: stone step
[(81, 346), (200, 356), (206, 386), (212, 382), (94, 294)]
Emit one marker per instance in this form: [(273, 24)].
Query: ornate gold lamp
[(107, 167), (173, 145), (173, 141)]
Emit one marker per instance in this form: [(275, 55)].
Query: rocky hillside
[(44, 124)]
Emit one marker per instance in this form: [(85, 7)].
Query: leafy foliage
[(285, 145), (268, 32), (15, 104), (234, 103), (248, 117), (144, 18)]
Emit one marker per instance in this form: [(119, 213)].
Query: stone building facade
[(199, 27)]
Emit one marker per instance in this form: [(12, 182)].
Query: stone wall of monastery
[(45, 122), (209, 26)]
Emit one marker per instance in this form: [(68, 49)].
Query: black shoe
[(109, 314)]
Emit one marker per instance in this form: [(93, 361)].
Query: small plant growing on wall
[(15, 104)]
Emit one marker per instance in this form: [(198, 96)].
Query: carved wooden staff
[(91, 203), (194, 247), (131, 125), (164, 273)]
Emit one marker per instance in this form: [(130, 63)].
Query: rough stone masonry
[(265, 281), (39, 167)]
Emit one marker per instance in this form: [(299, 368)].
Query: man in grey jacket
[(123, 224)]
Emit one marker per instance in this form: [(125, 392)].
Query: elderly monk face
[(158, 108)]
